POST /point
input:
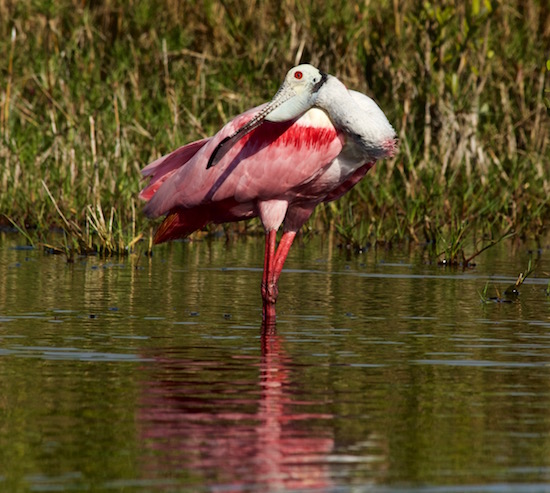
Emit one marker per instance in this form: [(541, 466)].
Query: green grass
[(90, 92), (512, 292)]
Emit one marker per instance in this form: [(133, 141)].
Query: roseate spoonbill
[(312, 143)]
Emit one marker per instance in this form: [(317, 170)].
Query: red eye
[(298, 75)]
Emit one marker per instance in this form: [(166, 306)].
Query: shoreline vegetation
[(92, 91)]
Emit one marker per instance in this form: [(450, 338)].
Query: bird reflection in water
[(233, 422)]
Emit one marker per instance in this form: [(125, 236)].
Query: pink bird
[(312, 143)]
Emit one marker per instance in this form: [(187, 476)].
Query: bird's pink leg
[(273, 265), (272, 278), (269, 257), (280, 256)]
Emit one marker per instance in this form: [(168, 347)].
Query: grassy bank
[(92, 91)]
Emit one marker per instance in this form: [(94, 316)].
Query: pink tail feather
[(180, 224)]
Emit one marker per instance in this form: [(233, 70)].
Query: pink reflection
[(208, 422)]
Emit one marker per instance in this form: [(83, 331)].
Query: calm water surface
[(385, 373)]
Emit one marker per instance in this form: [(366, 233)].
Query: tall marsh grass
[(91, 91)]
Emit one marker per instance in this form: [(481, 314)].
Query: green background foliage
[(91, 91)]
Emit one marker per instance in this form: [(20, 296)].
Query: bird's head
[(296, 95)]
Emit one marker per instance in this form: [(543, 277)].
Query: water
[(385, 373)]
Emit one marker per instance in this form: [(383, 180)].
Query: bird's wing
[(160, 170), (268, 163)]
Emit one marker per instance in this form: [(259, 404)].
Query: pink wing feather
[(274, 161), (161, 169)]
